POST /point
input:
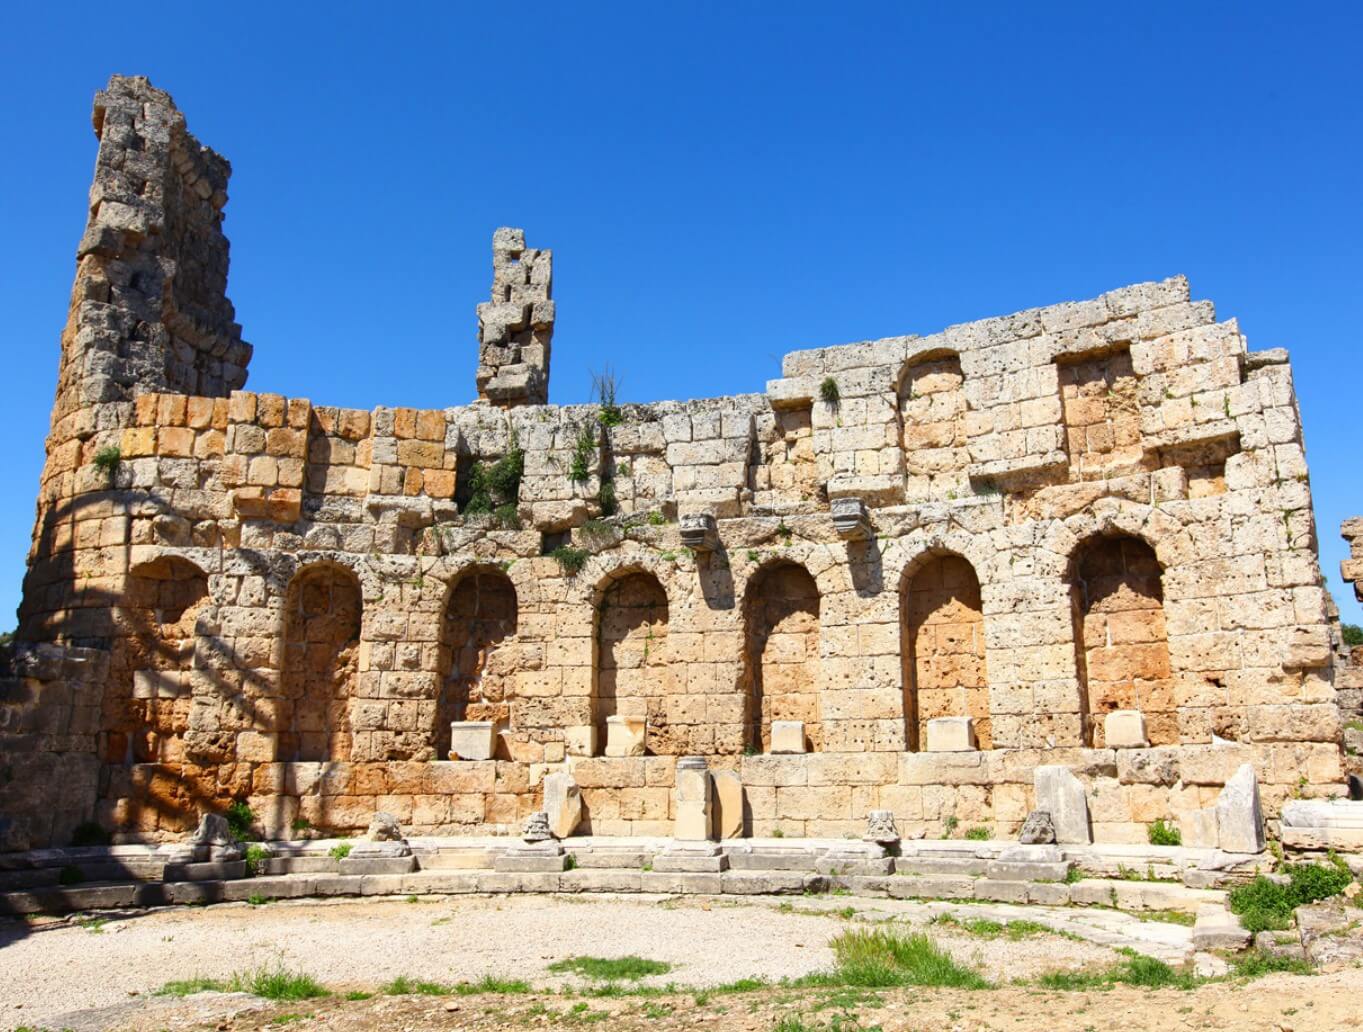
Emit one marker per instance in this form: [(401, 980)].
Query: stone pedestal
[(787, 736), (1125, 729), (580, 741), (473, 740), (624, 736), (951, 734), (693, 800), (1062, 795), (562, 804)]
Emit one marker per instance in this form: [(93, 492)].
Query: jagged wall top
[(150, 308), (516, 326)]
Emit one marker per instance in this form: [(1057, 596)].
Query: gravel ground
[(56, 968)]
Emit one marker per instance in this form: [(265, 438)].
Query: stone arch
[(323, 610), (1121, 644), (146, 707), (630, 657), (781, 651), (479, 616), (932, 407), (942, 646)]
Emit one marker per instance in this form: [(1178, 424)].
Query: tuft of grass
[(986, 928), (828, 391), (190, 986), (404, 986), (277, 983), (570, 560), (1137, 970), (493, 984), (977, 834), (1161, 833), (1257, 963), (340, 851), (611, 969), (882, 957), (274, 983), (358, 994), (257, 900)]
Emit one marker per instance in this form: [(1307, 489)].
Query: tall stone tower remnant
[(516, 326)]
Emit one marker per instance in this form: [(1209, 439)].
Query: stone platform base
[(1126, 877)]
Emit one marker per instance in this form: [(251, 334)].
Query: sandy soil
[(50, 970)]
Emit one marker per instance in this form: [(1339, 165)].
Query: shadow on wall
[(781, 652)]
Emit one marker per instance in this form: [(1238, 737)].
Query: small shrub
[(611, 969), (1161, 833), (570, 560), (358, 994), (255, 854), (239, 818), (1352, 633), (1264, 905), (107, 460), (977, 834), (570, 862), (950, 825), (606, 498), (496, 484), (828, 391), (340, 851), (89, 833), (70, 875), (301, 824), (507, 516), (656, 518), (579, 469), (255, 899)]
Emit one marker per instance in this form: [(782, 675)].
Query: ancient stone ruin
[(1065, 556)]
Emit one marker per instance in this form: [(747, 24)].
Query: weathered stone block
[(624, 736), (1062, 795), (1239, 815), (788, 736), (473, 740), (951, 734), (1125, 729)]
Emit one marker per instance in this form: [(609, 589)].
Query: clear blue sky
[(721, 183)]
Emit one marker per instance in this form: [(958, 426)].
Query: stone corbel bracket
[(851, 519), (698, 533)]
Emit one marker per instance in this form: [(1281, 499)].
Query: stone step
[(962, 866)]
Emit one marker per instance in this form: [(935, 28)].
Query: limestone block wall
[(1092, 506)]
